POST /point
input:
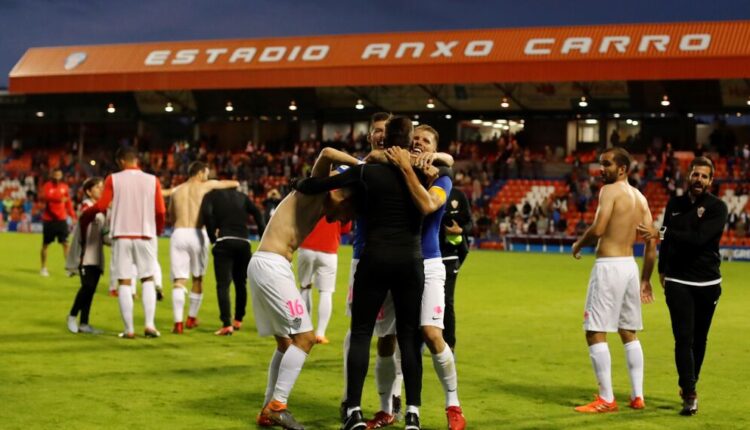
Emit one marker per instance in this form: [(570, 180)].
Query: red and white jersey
[(138, 210), (326, 236)]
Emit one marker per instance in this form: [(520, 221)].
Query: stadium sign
[(673, 51)]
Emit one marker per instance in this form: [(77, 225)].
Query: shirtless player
[(277, 303), (188, 246), (613, 301)]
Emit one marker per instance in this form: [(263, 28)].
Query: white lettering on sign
[(619, 42), (443, 49), (580, 44), (245, 54), (478, 48), (157, 58), (655, 43), (695, 42), (416, 47), (532, 47)]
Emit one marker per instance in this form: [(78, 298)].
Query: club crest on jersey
[(454, 204), (297, 323), (701, 211)]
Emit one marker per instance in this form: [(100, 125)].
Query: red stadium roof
[(709, 50)]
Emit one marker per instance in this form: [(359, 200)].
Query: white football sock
[(398, 382), (149, 303), (351, 410), (634, 358), (306, 294), (178, 303), (347, 342), (324, 312), (125, 298), (157, 275), (291, 365), (273, 375), (195, 304), (385, 374), (602, 364), (412, 409), (445, 367)]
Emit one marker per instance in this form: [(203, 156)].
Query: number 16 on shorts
[(296, 309)]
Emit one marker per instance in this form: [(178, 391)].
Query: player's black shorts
[(52, 230)]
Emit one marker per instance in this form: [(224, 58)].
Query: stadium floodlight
[(583, 102), (359, 105), (592, 121), (504, 103), (748, 101), (40, 114), (448, 116), (487, 123), (92, 162), (634, 123), (690, 115), (292, 105), (506, 127), (430, 104), (616, 115), (416, 116), (168, 107), (415, 123), (476, 121), (628, 121), (665, 101), (229, 107), (497, 125), (111, 108), (739, 114)]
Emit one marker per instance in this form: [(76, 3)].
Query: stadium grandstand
[(524, 118)]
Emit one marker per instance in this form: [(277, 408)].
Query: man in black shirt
[(454, 246), (225, 214), (689, 272), (391, 260)]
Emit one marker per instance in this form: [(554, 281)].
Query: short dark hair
[(196, 167), (702, 161), (621, 156), (398, 132), (379, 116), (90, 183), (126, 153)]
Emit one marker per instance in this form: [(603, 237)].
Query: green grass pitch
[(521, 356)]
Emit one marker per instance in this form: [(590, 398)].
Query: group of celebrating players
[(397, 197)]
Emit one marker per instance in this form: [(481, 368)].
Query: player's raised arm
[(329, 157), (214, 184), (426, 201), (316, 185)]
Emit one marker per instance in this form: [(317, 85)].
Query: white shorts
[(188, 253), (433, 296), (613, 300), (317, 268), (350, 293), (385, 323), (433, 301), (277, 303), (133, 258)]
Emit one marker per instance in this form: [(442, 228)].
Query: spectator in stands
[(542, 224)]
